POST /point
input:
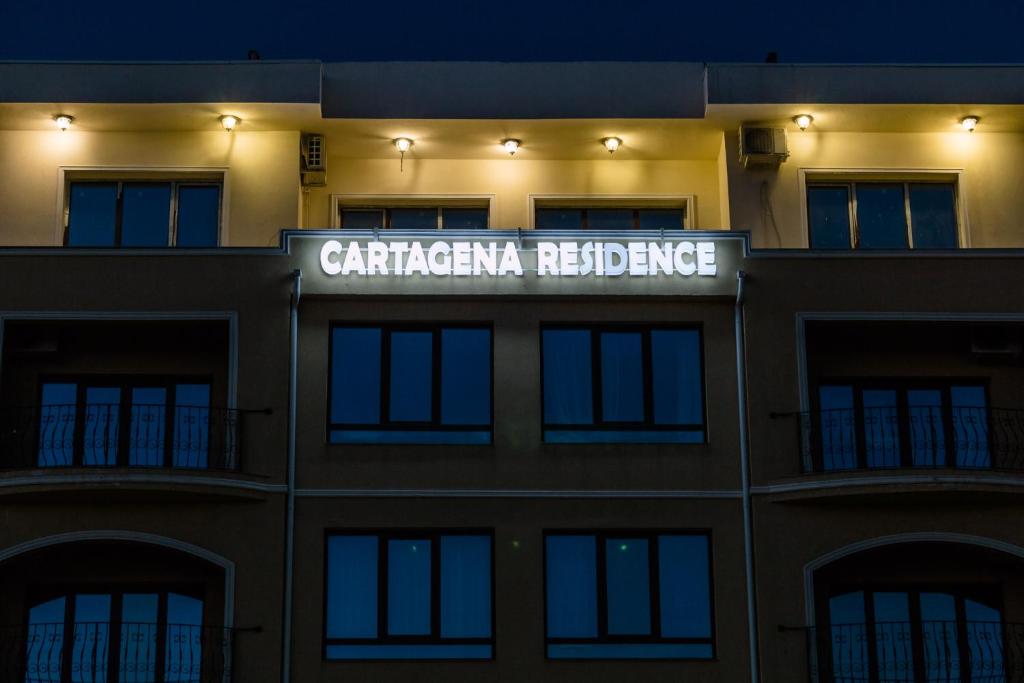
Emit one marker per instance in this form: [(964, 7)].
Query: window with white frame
[(413, 217)]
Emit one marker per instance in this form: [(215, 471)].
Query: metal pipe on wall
[(289, 529)]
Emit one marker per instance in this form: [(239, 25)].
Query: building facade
[(509, 372)]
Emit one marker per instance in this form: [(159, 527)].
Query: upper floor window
[(409, 595), (410, 384), (622, 383), (882, 215), (414, 218), (609, 218), (628, 595), (144, 213)]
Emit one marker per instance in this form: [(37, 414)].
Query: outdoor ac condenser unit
[(762, 145), (314, 172)]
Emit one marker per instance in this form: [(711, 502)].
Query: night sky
[(960, 31)]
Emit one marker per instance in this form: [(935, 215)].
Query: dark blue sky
[(712, 30)]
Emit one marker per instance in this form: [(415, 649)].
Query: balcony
[(918, 437), (94, 435), (122, 652)]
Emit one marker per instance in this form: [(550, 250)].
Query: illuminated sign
[(682, 258)]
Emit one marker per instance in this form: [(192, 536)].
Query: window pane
[(183, 654), (465, 377), (355, 375), (939, 636), (676, 373), (927, 427), (933, 216), (629, 586), (838, 442), (92, 215), (148, 426), (409, 587), (137, 661), (881, 428), (558, 219), (828, 214), (414, 219), (893, 644), (571, 586), (661, 219), (568, 396), (57, 424), (465, 586), (192, 427), (91, 638), (622, 377), (352, 587), (970, 426), (849, 637), (610, 219), (881, 216), (145, 214), (684, 585), (102, 415), (464, 219), (44, 644), (412, 361), (362, 219), (198, 216)]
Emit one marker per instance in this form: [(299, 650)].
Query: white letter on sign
[(330, 247)]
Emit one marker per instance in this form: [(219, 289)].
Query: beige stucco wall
[(512, 181), (262, 185), (990, 165)]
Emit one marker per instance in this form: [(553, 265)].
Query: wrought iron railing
[(916, 652), (101, 435), (101, 652), (915, 437)]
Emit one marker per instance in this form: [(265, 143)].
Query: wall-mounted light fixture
[(511, 145), (402, 145), (969, 123), (229, 121), (611, 144), (802, 121), (63, 121)]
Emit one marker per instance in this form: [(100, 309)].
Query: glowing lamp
[(611, 144), (63, 121), (969, 123), (403, 144), (511, 145), (229, 121), (803, 120)]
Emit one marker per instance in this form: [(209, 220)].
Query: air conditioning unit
[(996, 343), (314, 172), (761, 145)]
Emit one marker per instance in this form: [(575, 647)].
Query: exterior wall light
[(969, 123), (229, 121), (402, 145), (611, 144), (802, 121), (63, 121), (511, 145)]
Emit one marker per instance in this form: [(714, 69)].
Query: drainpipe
[(289, 528), (748, 512)]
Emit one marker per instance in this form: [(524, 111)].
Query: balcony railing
[(916, 652), (919, 437), (101, 435), (101, 652)]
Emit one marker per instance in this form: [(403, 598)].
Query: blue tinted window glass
[(362, 219), (610, 219), (410, 436), (927, 427), (465, 586), (44, 642), (622, 377), (881, 216), (881, 428), (893, 638), (57, 424), (92, 215), (568, 397), (145, 214), (630, 651), (91, 635), (430, 651), (465, 377), (102, 422), (849, 636), (675, 361), (571, 586), (148, 426), (413, 219), (464, 219), (352, 587), (629, 586), (838, 428), (198, 216), (623, 436), (970, 426), (412, 362), (559, 219), (933, 216), (192, 426), (409, 587), (661, 219), (355, 375), (828, 214), (183, 653), (684, 586)]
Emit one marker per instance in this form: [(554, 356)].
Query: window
[(121, 635), (609, 218), (882, 215), (622, 384), (410, 384), (628, 595), (128, 422), (409, 595), (876, 424), (143, 214), (414, 218)]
